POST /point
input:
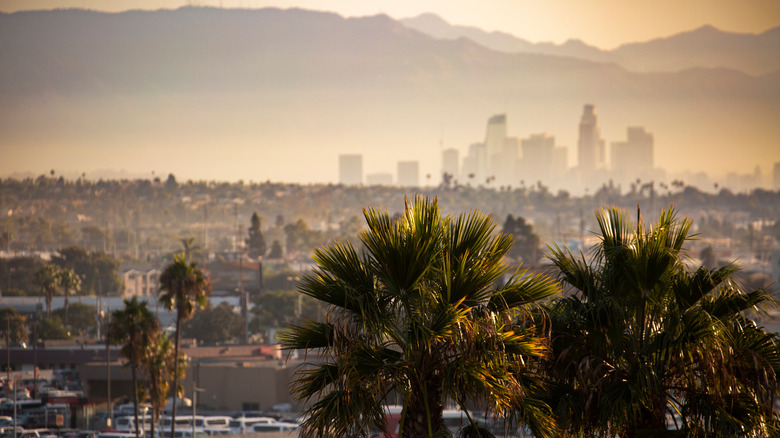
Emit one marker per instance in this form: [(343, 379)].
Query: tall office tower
[(495, 140), (538, 158), (508, 165), (776, 176), (590, 145), (474, 167), (351, 169), (560, 162), (449, 162), (408, 174), (633, 158)]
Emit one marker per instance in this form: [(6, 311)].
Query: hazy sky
[(604, 23)]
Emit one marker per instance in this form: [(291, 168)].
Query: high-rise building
[(506, 173), (633, 158), (474, 164), (408, 174), (776, 176), (351, 169), (538, 158), (560, 162), (590, 145), (495, 136), (449, 162)]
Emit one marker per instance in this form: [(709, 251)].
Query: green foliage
[(280, 308), (159, 367), (99, 272), (276, 250), (214, 325), (256, 242), (300, 238), (17, 276), (11, 320), (708, 258), (47, 279), (135, 328), (419, 313), (644, 339), (183, 287), (52, 328), (526, 246), (83, 319)]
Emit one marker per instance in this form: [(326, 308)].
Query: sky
[(602, 23)]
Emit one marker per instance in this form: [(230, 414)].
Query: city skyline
[(197, 113), (504, 160)]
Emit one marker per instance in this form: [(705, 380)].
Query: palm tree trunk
[(135, 397), (67, 320), (175, 374), (425, 409), (48, 303)]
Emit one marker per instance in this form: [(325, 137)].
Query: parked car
[(273, 427), (212, 421), (244, 424), (115, 435)]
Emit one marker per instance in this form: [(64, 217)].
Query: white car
[(244, 424)]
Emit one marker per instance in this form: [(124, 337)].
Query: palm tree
[(47, 278), (182, 287), (136, 328), (645, 344), (68, 281), (159, 365), (419, 314), (190, 247)]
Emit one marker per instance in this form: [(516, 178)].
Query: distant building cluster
[(504, 161), (501, 160)]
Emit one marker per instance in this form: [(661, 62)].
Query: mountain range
[(706, 46), (278, 94)]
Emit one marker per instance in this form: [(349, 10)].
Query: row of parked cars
[(204, 425)]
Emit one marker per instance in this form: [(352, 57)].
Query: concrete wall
[(231, 385)]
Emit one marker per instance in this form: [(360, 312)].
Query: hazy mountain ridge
[(312, 79), (208, 49), (755, 54)]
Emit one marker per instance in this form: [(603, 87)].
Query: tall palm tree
[(137, 329), (183, 287), (645, 344), (425, 313), (47, 278), (159, 365), (68, 281)]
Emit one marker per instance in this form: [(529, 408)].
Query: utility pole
[(8, 347), (109, 412), (205, 229), (35, 360)]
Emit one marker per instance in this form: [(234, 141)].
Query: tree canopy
[(426, 314), (255, 242), (644, 344), (214, 325), (11, 320)]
